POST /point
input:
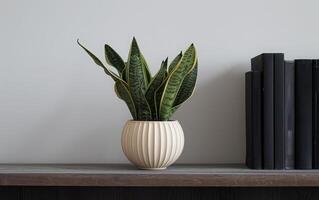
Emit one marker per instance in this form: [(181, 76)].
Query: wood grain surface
[(122, 175)]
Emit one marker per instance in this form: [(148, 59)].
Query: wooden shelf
[(123, 175)]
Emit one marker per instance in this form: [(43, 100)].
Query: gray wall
[(57, 106)]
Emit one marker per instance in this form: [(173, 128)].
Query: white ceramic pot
[(152, 144)]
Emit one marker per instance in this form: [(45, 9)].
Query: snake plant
[(150, 98)]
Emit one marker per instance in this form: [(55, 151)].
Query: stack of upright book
[(282, 113)]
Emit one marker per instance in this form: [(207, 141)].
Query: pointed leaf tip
[(78, 41), (165, 62), (134, 39), (134, 43)]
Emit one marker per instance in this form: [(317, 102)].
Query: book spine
[(289, 128), (303, 114), (315, 114), (248, 102), (279, 110), (253, 86), (265, 63), (257, 119)]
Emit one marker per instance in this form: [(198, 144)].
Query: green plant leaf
[(158, 96), (175, 62), (154, 85), (137, 82), (174, 82), (147, 72), (142, 107), (123, 93), (124, 73), (173, 110), (136, 67), (150, 98), (121, 87), (114, 59), (187, 88), (99, 63)]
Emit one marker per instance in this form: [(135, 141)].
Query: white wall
[(57, 106)]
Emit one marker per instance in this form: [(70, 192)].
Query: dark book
[(279, 110), (289, 116), (265, 63), (254, 119), (303, 114), (315, 114), (248, 107)]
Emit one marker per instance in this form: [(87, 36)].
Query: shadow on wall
[(214, 120)]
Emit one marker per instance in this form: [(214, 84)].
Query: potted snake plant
[(151, 140)]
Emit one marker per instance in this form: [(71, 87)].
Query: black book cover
[(289, 117), (254, 119), (315, 93), (265, 64), (303, 114), (248, 106), (279, 110)]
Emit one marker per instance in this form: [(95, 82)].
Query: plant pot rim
[(131, 120)]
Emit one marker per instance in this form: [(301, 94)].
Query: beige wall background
[(57, 106)]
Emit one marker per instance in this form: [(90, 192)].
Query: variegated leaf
[(174, 82), (137, 82), (173, 110), (114, 59), (136, 72), (175, 62), (124, 73), (154, 84), (123, 93), (99, 63), (147, 72), (187, 88), (158, 96)]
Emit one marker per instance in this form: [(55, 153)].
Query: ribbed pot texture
[(152, 144)]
